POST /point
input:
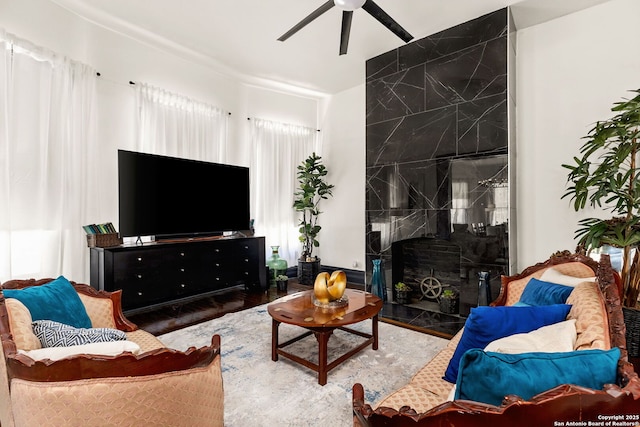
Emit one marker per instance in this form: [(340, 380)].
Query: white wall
[(120, 59), (342, 239), (570, 71)]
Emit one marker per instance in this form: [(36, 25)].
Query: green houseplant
[(402, 292), (281, 282), (449, 301), (312, 188), (607, 176)]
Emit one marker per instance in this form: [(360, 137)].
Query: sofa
[(571, 370), (132, 380)]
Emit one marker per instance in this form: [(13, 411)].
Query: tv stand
[(170, 271)]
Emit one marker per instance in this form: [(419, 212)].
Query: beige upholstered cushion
[(20, 325), (592, 322), (191, 397), (145, 340), (430, 376), (100, 311), (552, 275), (411, 395)]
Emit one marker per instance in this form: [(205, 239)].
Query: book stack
[(102, 235), (105, 228)]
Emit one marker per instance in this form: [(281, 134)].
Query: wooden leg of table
[(374, 331), (323, 339), (274, 340)]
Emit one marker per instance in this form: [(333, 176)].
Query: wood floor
[(173, 317)]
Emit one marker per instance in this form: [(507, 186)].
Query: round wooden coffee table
[(298, 309)]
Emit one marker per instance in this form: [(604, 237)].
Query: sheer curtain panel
[(48, 188), (278, 149), (174, 125)]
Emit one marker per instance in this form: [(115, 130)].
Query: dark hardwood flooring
[(172, 317), (180, 315)]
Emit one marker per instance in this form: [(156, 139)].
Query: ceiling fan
[(348, 6)]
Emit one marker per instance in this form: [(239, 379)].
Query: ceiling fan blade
[(347, 16), (313, 15), (374, 10)]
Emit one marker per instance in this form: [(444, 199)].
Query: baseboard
[(353, 276)]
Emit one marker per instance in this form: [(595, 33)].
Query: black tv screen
[(167, 196)]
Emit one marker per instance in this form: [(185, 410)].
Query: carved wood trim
[(86, 366)]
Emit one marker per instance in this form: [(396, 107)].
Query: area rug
[(260, 392)]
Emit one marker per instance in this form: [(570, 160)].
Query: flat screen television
[(169, 197)]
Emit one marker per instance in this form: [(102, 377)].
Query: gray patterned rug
[(259, 392)]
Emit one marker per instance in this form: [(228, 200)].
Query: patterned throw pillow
[(54, 334)]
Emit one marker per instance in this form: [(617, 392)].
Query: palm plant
[(607, 176), (312, 189)]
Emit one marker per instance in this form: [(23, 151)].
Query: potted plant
[(449, 301), (607, 176), (281, 282), (312, 188), (402, 293)]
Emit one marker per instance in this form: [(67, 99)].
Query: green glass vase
[(277, 266)]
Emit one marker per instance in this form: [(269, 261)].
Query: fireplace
[(430, 266)]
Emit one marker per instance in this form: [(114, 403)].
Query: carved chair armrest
[(85, 366)]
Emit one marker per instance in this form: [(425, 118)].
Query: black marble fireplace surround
[(437, 168)]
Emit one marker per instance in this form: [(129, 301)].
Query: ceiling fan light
[(349, 5)]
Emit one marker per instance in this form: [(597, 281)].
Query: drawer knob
[(181, 253), (139, 294), (139, 259), (139, 276), (182, 285)]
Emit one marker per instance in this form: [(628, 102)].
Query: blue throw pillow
[(538, 292), (486, 324), (489, 377), (56, 300)]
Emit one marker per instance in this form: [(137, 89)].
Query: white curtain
[(49, 187), (174, 125), (459, 202), (500, 215), (278, 149)]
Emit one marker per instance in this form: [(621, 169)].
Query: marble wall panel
[(396, 95), (406, 186), (426, 135), (473, 73), (452, 40), (482, 125), (435, 105), (382, 65)]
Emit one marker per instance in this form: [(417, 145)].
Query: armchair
[(158, 386)]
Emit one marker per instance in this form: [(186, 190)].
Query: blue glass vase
[(378, 285)]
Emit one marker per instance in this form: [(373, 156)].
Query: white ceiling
[(239, 37)]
